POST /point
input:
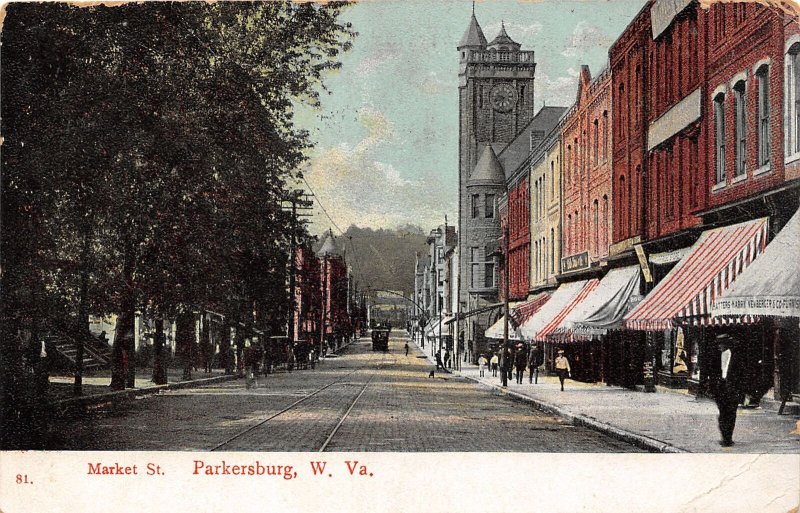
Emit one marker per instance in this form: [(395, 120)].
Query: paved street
[(360, 401)]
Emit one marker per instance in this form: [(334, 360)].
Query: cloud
[(357, 188), (522, 33), (586, 37), (380, 56)]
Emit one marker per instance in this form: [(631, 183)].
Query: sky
[(386, 136)]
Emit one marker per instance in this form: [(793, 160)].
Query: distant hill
[(383, 259)]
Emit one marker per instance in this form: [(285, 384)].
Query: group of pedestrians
[(511, 363)]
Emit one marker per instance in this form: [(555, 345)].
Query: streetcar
[(380, 338)]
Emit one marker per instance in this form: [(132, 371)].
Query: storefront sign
[(575, 262), (623, 245), (648, 276)]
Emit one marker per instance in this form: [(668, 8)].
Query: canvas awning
[(686, 294), (432, 331), (562, 296), (525, 310), (604, 308), (495, 331), (771, 285), (557, 320)]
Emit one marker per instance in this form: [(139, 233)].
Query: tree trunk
[(159, 372), (82, 330), (184, 341)]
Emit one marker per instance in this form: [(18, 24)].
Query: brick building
[(586, 181), (334, 288), (627, 58), (752, 154)]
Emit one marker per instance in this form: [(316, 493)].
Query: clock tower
[(495, 99)]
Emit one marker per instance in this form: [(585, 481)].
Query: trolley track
[(296, 406)]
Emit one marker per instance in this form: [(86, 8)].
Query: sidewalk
[(97, 392), (666, 421)]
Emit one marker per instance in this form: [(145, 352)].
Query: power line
[(319, 202)]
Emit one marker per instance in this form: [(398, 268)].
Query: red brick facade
[(745, 55), (791, 50), (675, 161), (586, 181), (627, 57), (519, 242)]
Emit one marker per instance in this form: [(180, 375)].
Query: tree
[(147, 147)]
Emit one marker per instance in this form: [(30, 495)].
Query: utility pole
[(505, 285), (324, 302), (298, 200)]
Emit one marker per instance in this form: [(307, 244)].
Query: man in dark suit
[(728, 394)]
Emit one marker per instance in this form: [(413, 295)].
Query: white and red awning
[(562, 296), (686, 294), (523, 311), (771, 286), (558, 319)]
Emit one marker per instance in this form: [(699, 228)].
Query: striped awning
[(771, 286), (560, 298), (523, 311), (495, 331), (559, 318), (604, 308), (686, 294)]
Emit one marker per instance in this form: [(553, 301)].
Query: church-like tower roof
[(504, 39), (473, 35), (488, 171), (328, 246)]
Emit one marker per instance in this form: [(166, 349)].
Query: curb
[(641, 441), (88, 403)]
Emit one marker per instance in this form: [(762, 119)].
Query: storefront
[(769, 292), (552, 309), (591, 329), (676, 314)]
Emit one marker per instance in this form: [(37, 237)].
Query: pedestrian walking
[(494, 363), (439, 364), (729, 388), (520, 362), (505, 366), (406, 347), (447, 358), (562, 368), (534, 361), (481, 365)]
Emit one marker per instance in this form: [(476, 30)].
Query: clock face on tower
[(503, 97)]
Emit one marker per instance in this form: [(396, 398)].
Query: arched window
[(740, 102), (762, 131), (623, 203), (604, 231), (719, 137), (792, 94), (596, 223)]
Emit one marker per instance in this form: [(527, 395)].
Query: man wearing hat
[(562, 368), (520, 362), (728, 394)]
